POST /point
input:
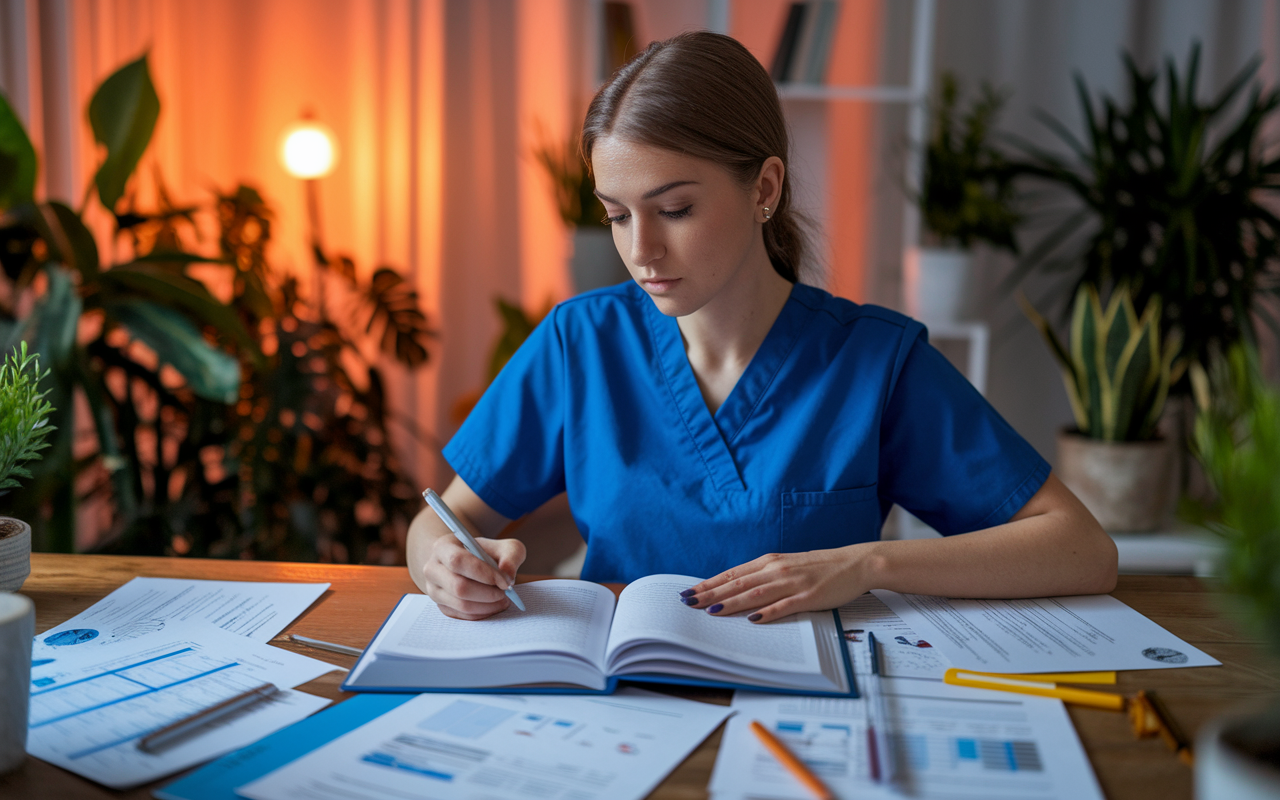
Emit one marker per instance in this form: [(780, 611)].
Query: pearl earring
[(767, 214)]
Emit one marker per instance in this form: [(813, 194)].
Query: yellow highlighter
[(1004, 683)]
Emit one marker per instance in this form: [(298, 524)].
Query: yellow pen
[(1086, 697)]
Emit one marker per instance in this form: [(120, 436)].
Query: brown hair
[(704, 95)]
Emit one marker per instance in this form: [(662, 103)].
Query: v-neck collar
[(712, 434)]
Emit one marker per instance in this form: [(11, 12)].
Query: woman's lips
[(659, 285)]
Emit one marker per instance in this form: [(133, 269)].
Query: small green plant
[(1116, 369), (967, 192), (575, 191), (1237, 439), (24, 415)]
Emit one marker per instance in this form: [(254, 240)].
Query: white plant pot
[(15, 553), (939, 284), (1227, 766), (1125, 485), (595, 262)]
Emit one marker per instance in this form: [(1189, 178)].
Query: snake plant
[(1116, 368)]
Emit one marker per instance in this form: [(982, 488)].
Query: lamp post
[(308, 153)]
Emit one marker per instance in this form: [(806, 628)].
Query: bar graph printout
[(519, 747), (950, 742), (88, 714)]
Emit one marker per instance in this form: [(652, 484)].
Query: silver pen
[(322, 645), (468, 541), (159, 739)]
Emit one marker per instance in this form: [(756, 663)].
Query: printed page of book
[(563, 617), (649, 610), (1046, 634)]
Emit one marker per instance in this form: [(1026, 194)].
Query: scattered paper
[(949, 742), (154, 605), (1047, 634), (88, 714), (518, 747)]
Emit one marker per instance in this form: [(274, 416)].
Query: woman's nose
[(646, 244)]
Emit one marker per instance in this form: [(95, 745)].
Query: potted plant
[(595, 262), (1237, 440), (24, 422), (1117, 371), (1171, 195), (965, 198)]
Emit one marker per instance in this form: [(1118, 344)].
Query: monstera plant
[(239, 429)]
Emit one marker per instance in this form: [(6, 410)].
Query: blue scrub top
[(844, 410)]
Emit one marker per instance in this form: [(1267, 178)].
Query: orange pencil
[(794, 765)]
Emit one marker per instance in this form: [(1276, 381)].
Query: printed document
[(90, 707), (949, 741), (519, 747), (149, 605), (903, 653), (1047, 634)]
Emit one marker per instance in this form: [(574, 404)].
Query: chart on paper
[(950, 742)]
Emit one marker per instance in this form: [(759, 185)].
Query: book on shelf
[(784, 55), (576, 638), (804, 48)]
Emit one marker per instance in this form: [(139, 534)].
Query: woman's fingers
[(777, 585)]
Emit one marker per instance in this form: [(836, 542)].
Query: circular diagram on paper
[(73, 636)]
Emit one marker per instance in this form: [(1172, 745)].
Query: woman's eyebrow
[(652, 193)]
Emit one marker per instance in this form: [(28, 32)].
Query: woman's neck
[(721, 338)]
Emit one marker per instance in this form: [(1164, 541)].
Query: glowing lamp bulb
[(308, 151)]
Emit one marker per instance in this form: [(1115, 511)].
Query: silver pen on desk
[(879, 746), (330, 646), (468, 541), (159, 739)]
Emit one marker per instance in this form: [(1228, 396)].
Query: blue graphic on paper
[(73, 636)]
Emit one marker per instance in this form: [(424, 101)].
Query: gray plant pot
[(595, 262), (1125, 485), (1238, 756), (15, 553)]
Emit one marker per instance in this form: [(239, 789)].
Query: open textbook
[(574, 637)]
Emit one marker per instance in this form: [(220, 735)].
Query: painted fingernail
[(716, 609), (689, 601), (687, 593), (755, 617)]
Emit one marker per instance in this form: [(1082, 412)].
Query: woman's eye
[(608, 220), (683, 212)]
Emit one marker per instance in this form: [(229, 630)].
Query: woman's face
[(684, 227)]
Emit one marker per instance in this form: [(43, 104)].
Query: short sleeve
[(947, 455), (510, 449)]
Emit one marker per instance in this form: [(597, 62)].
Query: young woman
[(715, 417)]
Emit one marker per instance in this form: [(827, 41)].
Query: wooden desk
[(361, 597)]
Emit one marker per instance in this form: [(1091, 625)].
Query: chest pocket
[(825, 520)]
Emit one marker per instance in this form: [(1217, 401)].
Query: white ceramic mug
[(17, 629)]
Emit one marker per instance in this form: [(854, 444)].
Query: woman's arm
[(1053, 546), (461, 584)]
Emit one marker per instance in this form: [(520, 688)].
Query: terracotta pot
[(939, 284), (15, 553), (1124, 484)]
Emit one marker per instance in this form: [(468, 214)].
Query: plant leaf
[(18, 162), (123, 114), (211, 373)]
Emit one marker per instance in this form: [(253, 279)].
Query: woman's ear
[(768, 188)]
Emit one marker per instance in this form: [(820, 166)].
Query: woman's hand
[(463, 586), (780, 584)]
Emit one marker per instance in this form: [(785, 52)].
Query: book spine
[(783, 57), (820, 51)]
